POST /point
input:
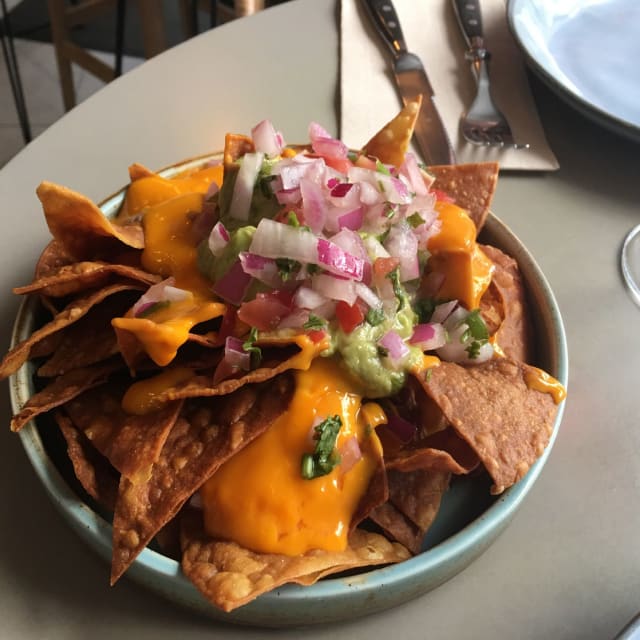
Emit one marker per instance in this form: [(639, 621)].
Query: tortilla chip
[(442, 451), (229, 576), (89, 340), (138, 171), (70, 314), (492, 307), (515, 333), (73, 278), (62, 390), (414, 502), (97, 477), (205, 435), (390, 144), (131, 443), (80, 226), (490, 405), (278, 356), (51, 259), (235, 146), (471, 186)]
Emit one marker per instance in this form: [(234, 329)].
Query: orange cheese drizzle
[(171, 250), (454, 253), (282, 512), (541, 381)]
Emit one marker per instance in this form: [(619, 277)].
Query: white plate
[(587, 51)]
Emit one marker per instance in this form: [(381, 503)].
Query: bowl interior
[(468, 521)]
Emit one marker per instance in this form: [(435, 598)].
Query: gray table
[(569, 564)]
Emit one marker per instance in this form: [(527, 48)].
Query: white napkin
[(369, 97)]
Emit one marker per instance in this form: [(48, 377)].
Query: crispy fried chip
[(63, 389), (442, 451), (131, 443), (80, 227), (492, 407), (51, 259), (278, 355), (515, 333), (229, 575), (70, 314), (138, 171), (470, 185), (206, 434), (89, 340), (97, 477), (73, 278), (390, 144), (235, 146)]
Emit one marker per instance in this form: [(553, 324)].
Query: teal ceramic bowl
[(469, 520)]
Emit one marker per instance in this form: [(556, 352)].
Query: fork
[(483, 123)]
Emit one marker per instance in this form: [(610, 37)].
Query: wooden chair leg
[(60, 34)]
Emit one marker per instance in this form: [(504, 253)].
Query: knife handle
[(470, 20), (385, 20)]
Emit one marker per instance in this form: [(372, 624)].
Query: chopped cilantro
[(383, 352), (264, 183), (287, 267), (415, 220), (249, 345), (375, 317), (390, 210), (424, 309), (292, 219), (325, 457), (476, 325), (314, 322), (394, 276), (381, 168), (156, 306), (473, 349), (312, 268)]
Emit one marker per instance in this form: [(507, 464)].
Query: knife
[(412, 80)]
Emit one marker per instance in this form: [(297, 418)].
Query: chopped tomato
[(339, 164), (349, 315), (266, 310), (383, 266), (442, 196), (317, 335)]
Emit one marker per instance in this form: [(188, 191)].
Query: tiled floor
[(41, 88)]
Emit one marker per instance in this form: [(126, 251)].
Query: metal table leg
[(11, 61)]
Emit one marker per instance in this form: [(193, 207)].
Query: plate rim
[(353, 596), (613, 122)]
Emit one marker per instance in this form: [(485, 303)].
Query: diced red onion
[(294, 320), (243, 186), (455, 318), (368, 296), (263, 269), (211, 191), (350, 454), (235, 354), (307, 298), (266, 139), (276, 240), (288, 196), (403, 244), (233, 285), (218, 239), (337, 261), (324, 144), (351, 220), (335, 288), (160, 292), (395, 345), (403, 429), (411, 171), (443, 311), (394, 189), (428, 336), (314, 205)]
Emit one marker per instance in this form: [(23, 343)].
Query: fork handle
[(469, 18), (385, 19)]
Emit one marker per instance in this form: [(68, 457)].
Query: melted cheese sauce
[(259, 498), (140, 397), (541, 381), (154, 189), (455, 254), (171, 250)]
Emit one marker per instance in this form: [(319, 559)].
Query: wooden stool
[(65, 16)]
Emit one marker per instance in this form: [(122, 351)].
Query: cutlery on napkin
[(369, 97)]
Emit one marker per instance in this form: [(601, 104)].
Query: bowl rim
[(294, 604)]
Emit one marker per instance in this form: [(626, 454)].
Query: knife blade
[(412, 80)]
